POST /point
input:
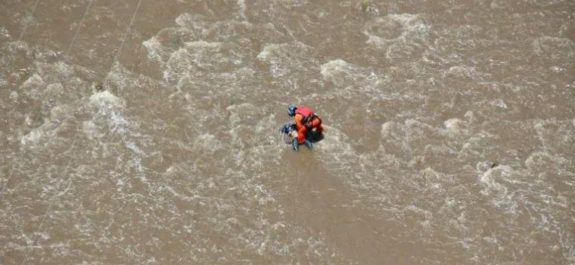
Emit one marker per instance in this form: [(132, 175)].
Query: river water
[(146, 132)]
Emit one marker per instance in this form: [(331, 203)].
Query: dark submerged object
[(289, 130)]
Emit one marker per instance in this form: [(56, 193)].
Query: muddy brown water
[(146, 132)]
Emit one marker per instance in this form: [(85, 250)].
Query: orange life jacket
[(307, 115)]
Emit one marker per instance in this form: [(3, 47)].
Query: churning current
[(146, 132)]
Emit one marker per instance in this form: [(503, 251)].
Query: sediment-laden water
[(146, 132)]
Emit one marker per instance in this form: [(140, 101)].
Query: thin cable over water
[(26, 24), (126, 33), (79, 26)]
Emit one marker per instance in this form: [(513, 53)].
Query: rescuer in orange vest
[(306, 121)]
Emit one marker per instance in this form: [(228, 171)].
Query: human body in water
[(307, 123)]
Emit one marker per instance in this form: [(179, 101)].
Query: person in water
[(306, 121)]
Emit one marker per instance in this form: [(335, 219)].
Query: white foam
[(268, 50), (14, 96), (33, 137), (54, 91), (166, 41), (499, 103), (243, 8), (387, 129), (284, 52), (498, 4), (463, 72), (276, 56), (409, 24), (105, 99), (206, 143), (538, 161), (453, 125), (338, 150), (187, 20), (4, 33), (492, 182), (547, 3), (176, 64), (90, 129), (60, 112), (154, 49), (470, 117), (203, 44), (194, 54), (333, 70), (32, 85)]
